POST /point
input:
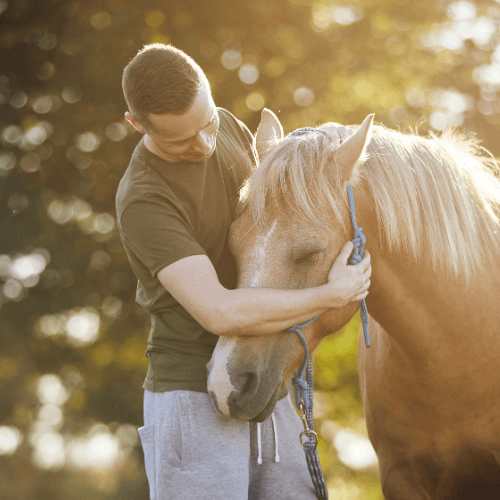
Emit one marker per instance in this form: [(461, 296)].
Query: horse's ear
[(352, 151), (269, 130)]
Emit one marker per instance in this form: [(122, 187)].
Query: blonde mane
[(435, 195)]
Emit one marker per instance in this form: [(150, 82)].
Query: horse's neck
[(428, 312)]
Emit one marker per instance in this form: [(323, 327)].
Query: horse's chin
[(254, 411), (267, 411)]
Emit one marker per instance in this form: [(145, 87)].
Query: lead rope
[(304, 388), (358, 241), (304, 402)]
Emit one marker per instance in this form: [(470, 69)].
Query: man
[(175, 204)]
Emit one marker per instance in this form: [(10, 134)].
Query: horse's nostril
[(245, 387)]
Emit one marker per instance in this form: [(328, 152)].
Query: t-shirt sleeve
[(157, 234)]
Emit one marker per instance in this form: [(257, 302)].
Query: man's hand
[(349, 283)]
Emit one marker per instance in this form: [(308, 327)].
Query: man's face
[(190, 137)]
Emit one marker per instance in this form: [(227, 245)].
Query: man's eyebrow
[(209, 122)]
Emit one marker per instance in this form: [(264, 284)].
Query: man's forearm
[(261, 311)]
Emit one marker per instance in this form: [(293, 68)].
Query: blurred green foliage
[(72, 340)]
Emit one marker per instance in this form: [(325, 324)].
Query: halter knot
[(301, 387)]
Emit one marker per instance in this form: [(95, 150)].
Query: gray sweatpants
[(191, 453)]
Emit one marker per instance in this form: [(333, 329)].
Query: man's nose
[(204, 142)]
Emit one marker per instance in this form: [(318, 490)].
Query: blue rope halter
[(359, 240), (304, 387)]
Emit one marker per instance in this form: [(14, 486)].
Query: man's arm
[(193, 282)]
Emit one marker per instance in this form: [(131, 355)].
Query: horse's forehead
[(275, 230)]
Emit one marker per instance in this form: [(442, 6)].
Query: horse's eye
[(309, 258)]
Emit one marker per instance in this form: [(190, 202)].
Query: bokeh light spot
[(71, 95), (116, 132), (454, 101), (255, 101), (248, 74), (12, 134), (30, 162), (321, 16), (347, 15), (80, 209), (7, 161), (48, 41), (50, 390), (364, 89), (112, 307), (275, 67), (439, 120), (100, 260), (5, 263), (51, 414), (303, 96), (38, 134), (104, 223), (51, 324), (354, 450), (461, 10), (18, 100), (83, 326), (12, 289), (48, 450), (100, 20), (231, 59), (27, 265), (87, 142), (42, 105), (154, 18), (59, 212), (102, 355), (46, 71), (10, 439), (415, 97)]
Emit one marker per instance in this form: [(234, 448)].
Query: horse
[(429, 207)]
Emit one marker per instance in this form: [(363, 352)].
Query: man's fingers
[(346, 250), (361, 296)]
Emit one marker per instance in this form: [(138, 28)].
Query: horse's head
[(293, 224)]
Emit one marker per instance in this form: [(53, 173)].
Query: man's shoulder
[(229, 122), (139, 182), (234, 136)]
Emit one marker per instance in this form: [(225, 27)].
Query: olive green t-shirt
[(165, 212)]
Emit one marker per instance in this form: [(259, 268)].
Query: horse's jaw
[(246, 374)]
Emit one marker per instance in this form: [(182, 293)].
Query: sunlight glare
[(10, 439), (354, 450), (83, 326)]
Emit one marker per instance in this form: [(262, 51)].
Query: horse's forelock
[(297, 176), (438, 196)]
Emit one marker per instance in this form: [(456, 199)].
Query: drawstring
[(275, 429), (259, 440)]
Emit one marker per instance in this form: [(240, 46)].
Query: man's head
[(169, 99)]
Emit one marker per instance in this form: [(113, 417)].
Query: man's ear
[(134, 123)]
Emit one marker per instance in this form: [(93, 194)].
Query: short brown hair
[(161, 79)]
